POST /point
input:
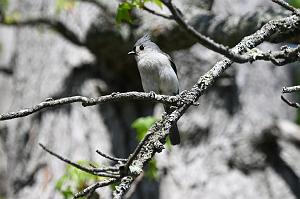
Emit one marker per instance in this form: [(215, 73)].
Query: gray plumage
[(158, 74)]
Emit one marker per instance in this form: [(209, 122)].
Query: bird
[(158, 74)]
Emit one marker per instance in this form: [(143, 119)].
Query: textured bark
[(230, 144)]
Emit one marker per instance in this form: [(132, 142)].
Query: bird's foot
[(152, 94)]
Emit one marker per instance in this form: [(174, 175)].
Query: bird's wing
[(173, 66), (172, 63)]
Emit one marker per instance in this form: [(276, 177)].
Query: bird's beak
[(131, 53)]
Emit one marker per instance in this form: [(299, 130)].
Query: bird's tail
[(174, 133)]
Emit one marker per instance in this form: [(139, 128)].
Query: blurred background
[(242, 141)]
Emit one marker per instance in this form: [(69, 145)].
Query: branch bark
[(152, 97)]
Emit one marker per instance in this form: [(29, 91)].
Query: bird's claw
[(114, 94), (152, 94)]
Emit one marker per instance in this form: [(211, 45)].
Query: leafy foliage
[(141, 126), (75, 180), (151, 172), (295, 3), (125, 8), (123, 12)]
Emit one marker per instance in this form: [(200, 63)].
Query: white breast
[(157, 73)]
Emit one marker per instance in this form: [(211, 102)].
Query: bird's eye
[(141, 47)]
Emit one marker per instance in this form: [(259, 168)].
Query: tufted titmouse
[(158, 74)]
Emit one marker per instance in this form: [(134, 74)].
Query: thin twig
[(88, 170), (217, 47), (290, 90), (290, 103), (110, 157), (95, 186), (157, 13), (108, 169), (278, 58), (287, 6), (202, 39)]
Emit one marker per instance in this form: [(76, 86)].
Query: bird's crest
[(144, 39)]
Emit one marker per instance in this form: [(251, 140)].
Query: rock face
[(233, 144)]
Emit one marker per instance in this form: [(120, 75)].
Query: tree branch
[(212, 45), (290, 89), (204, 40), (156, 13), (92, 188), (279, 58), (216, 27), (290, 103), (171, 100), (110, 157)]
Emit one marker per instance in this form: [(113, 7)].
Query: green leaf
[(125, 8), (168, 143), (151, 172), (68, 193), (75, 180), (113, 186), (124, 12), (295, 3), (141, 126), (59, 183), (158, 3), (137, 3)]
